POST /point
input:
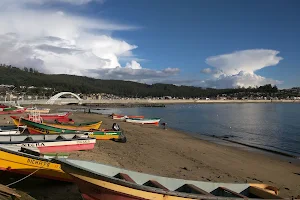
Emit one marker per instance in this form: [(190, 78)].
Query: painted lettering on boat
[(33, 145), (38, 162)]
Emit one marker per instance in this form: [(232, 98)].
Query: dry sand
[(171, 153)]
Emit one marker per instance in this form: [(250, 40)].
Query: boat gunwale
[(111, 179), (42, 141)]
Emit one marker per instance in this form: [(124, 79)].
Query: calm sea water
[(271, 126)]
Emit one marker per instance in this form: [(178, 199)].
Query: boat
[(98, 181), (117, 136), (38, 128), (52, 116), (16, 161), (3, 106), (116, 116), (16, 111), (40, 110), (45, 128), (50, 143), (10, 132), (144, 121)]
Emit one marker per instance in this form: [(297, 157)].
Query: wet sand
[(171, 153)]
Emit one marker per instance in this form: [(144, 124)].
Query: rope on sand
[(23, 178)]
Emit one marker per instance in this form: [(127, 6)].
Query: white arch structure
[(55, 97)]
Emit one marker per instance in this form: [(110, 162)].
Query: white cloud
[(133, 65), (238, 68), (55, 41), (206, 71)]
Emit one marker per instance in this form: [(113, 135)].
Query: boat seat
[(153, 183), (28, 139), (225, 192), (124, 177), (60, 138), (190, 188)]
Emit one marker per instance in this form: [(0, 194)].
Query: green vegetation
[(30, 77)]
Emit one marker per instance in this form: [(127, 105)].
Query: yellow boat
[(22, 163), (97, 181), (78, 127)]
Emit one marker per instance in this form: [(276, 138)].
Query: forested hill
[(29, 77)]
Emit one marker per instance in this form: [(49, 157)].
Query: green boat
[(39, 128)]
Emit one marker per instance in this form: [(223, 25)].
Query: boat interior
[(178, 187)]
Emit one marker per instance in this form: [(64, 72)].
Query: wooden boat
[(144, 121), (52, 116), (50, 143), (38, 128), (40, 110), (17, 111), (117, 136), (98, 181), (3, 106), (35, 127), (10, 132), (24, 163), (116, 116)]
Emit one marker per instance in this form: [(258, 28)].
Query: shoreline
[(178, 154), (144, 102)]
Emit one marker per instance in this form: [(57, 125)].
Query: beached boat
[(10, 132), (39, 128), (8, 112), (144, 121), (23, 163), (52, 116), (98, 181), (3, 106), (117, 136), (50, 143), (40, 110), (45, 128), (122, 117)]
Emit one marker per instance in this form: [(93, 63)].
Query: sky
[(205, 43)]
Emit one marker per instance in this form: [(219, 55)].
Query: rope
[(23, 178)]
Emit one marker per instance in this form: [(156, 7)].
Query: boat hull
[(61, 146), (122, 117), (39, 128), (11, 112), (25, 164), (143, 121), (107, 135)]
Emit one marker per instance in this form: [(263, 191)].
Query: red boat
[(115, 116), (3, 106), (53, 117), (12, 112)]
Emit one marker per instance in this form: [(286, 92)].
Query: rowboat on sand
[(117, 136), (53, 116), (23, 163), (12, 130), (50, 143), (116, 116), (40, 110), (144, 121), (39, 128), (98, 181), (17, 111), (35, 127)]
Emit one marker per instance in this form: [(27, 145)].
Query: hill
[(78, 84)]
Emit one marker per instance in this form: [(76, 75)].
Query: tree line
[(11, 75)]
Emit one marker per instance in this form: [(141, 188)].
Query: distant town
[(13, 93)]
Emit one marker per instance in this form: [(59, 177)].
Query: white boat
[(10, 132), (39, 110), (144, 121)]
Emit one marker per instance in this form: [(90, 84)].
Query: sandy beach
[(170, 153)]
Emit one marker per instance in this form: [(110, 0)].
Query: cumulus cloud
[(238, 68), (55, 41)]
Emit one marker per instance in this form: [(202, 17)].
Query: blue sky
[(203, 43)]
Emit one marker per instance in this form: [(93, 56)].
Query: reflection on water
[(272, 126)]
